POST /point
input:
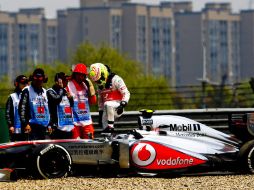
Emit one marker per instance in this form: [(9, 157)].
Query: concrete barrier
[(217, 118)]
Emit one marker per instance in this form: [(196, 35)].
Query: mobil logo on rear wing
[(182, 127)]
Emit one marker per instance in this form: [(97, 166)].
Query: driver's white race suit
[(110, 98)]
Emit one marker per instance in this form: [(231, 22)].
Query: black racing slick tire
[(51, 161), (246, 157)]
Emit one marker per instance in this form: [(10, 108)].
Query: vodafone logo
[(143, 154), (156, 156)]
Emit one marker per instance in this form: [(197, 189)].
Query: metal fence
[(184, 97)]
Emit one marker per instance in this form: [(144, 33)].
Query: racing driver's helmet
[(99, 73)]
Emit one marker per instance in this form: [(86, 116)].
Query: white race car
[(163, 144)]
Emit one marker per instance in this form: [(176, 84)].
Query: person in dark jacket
[(11, 114), (60, 108), (33, 107)]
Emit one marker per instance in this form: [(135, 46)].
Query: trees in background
[(147, 91)]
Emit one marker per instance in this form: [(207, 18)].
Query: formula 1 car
[(162, 144)]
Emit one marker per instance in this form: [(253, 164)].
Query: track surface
[(206, 182)]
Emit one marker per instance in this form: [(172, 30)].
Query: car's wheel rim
[(54, 163), (251, 160)]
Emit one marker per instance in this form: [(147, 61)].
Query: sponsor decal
[(176, 161), (184, 127), (187, 134), (86, 149), (46, 149), (86, 152), (155, 156), (81, 106), (40, 116), (40, 109), (67, 110), (143, 154), (147, 121), (88, 146)]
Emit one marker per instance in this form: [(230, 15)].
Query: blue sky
[(52, 5)]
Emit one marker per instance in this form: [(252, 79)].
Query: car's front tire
[(51, 161)]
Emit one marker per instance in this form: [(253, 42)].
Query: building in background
[(100, 3), (26, 38), (247, 44), (50, 41), (95, 25), (145, 33), (208, 45), (148, 37), (169, 39), (6, 44)]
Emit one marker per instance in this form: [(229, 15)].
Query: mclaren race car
[(162, 144)]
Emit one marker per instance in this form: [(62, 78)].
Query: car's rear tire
[(246, 157), (51, 161)]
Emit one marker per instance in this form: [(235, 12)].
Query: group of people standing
[(63, 111)]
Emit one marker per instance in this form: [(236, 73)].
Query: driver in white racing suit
[(113, 95)]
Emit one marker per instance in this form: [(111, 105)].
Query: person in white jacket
[(113, 95)]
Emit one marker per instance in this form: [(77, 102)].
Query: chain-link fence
[(184, 97), (192, 97)]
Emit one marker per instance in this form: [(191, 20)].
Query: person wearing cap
[(11, 112), (33, 107), (83, 93), (60, 108), (113, 95)]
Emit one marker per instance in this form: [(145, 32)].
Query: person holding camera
[(113, 95), (33, 107), (60, 108)]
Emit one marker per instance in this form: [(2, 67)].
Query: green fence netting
[(4, 134)]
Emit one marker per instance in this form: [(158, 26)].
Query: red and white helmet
[(80, 68)]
